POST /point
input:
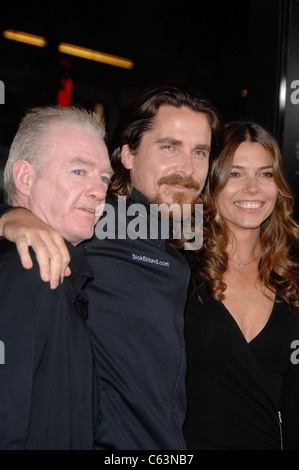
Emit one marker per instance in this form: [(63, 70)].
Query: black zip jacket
[(46, 370), (136, 303)]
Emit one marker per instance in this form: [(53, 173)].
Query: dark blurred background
[(243, 55)]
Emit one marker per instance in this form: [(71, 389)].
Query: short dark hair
[(137, 118)]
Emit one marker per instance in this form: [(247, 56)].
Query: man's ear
[(23, 174), (127, 157)]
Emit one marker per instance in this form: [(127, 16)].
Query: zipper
[(280, 429)]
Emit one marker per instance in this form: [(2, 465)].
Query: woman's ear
[(127, 157), (23, 174)]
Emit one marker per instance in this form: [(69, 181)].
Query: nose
[(251, 185), (97, 189), (184, 164)]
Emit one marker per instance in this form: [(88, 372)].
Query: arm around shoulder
[(25, 229)]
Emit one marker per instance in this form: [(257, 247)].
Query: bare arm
[(25, 229)]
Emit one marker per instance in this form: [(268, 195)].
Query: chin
[(89, 235), (177, 198), (251, 226), (83, 235)]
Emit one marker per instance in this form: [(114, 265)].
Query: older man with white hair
[(59, 169)]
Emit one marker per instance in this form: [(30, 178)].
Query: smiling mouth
[(91, 211), (249, 205), (179, 186)]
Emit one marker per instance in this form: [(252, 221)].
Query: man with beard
[(160, 154)]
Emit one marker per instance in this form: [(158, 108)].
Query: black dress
[(234, 386)]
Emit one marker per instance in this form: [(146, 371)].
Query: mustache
[(188, 182)]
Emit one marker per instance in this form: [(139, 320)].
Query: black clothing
[(136, 304), (234, 387), (46, 380)]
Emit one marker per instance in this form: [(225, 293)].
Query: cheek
[(143, 175), (220, 205), (64, 199), (225, 202), (272, 194), (275, 194), (226, 196), (137, 170), (201, 170)]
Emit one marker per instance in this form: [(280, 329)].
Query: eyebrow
[(239, 167), (109, 171), (171, 140), (84, 161), (81, 161)]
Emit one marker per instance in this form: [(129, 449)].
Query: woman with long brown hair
[(242, 317)]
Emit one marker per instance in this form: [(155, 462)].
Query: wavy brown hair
[(278, 270)]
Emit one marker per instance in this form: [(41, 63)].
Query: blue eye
[(105, 179), (78, 172)]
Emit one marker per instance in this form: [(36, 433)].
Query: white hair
[(31, 143)]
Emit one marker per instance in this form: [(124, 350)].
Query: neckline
[(263, 329)]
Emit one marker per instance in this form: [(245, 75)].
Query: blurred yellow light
[(26, 38), (97, 56), (70, 49)]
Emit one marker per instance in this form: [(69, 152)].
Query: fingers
[(53, 258), (44, 259), (25, 229), (59, 260), (23, 250), (65, 261), (51, 254)]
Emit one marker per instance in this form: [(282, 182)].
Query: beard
[(177, 198)]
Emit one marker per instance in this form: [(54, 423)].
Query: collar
[(149, 225), (155, 223), (137, 198)]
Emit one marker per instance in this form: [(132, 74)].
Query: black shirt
[(136, 319), (46, 380), (136, 313)]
